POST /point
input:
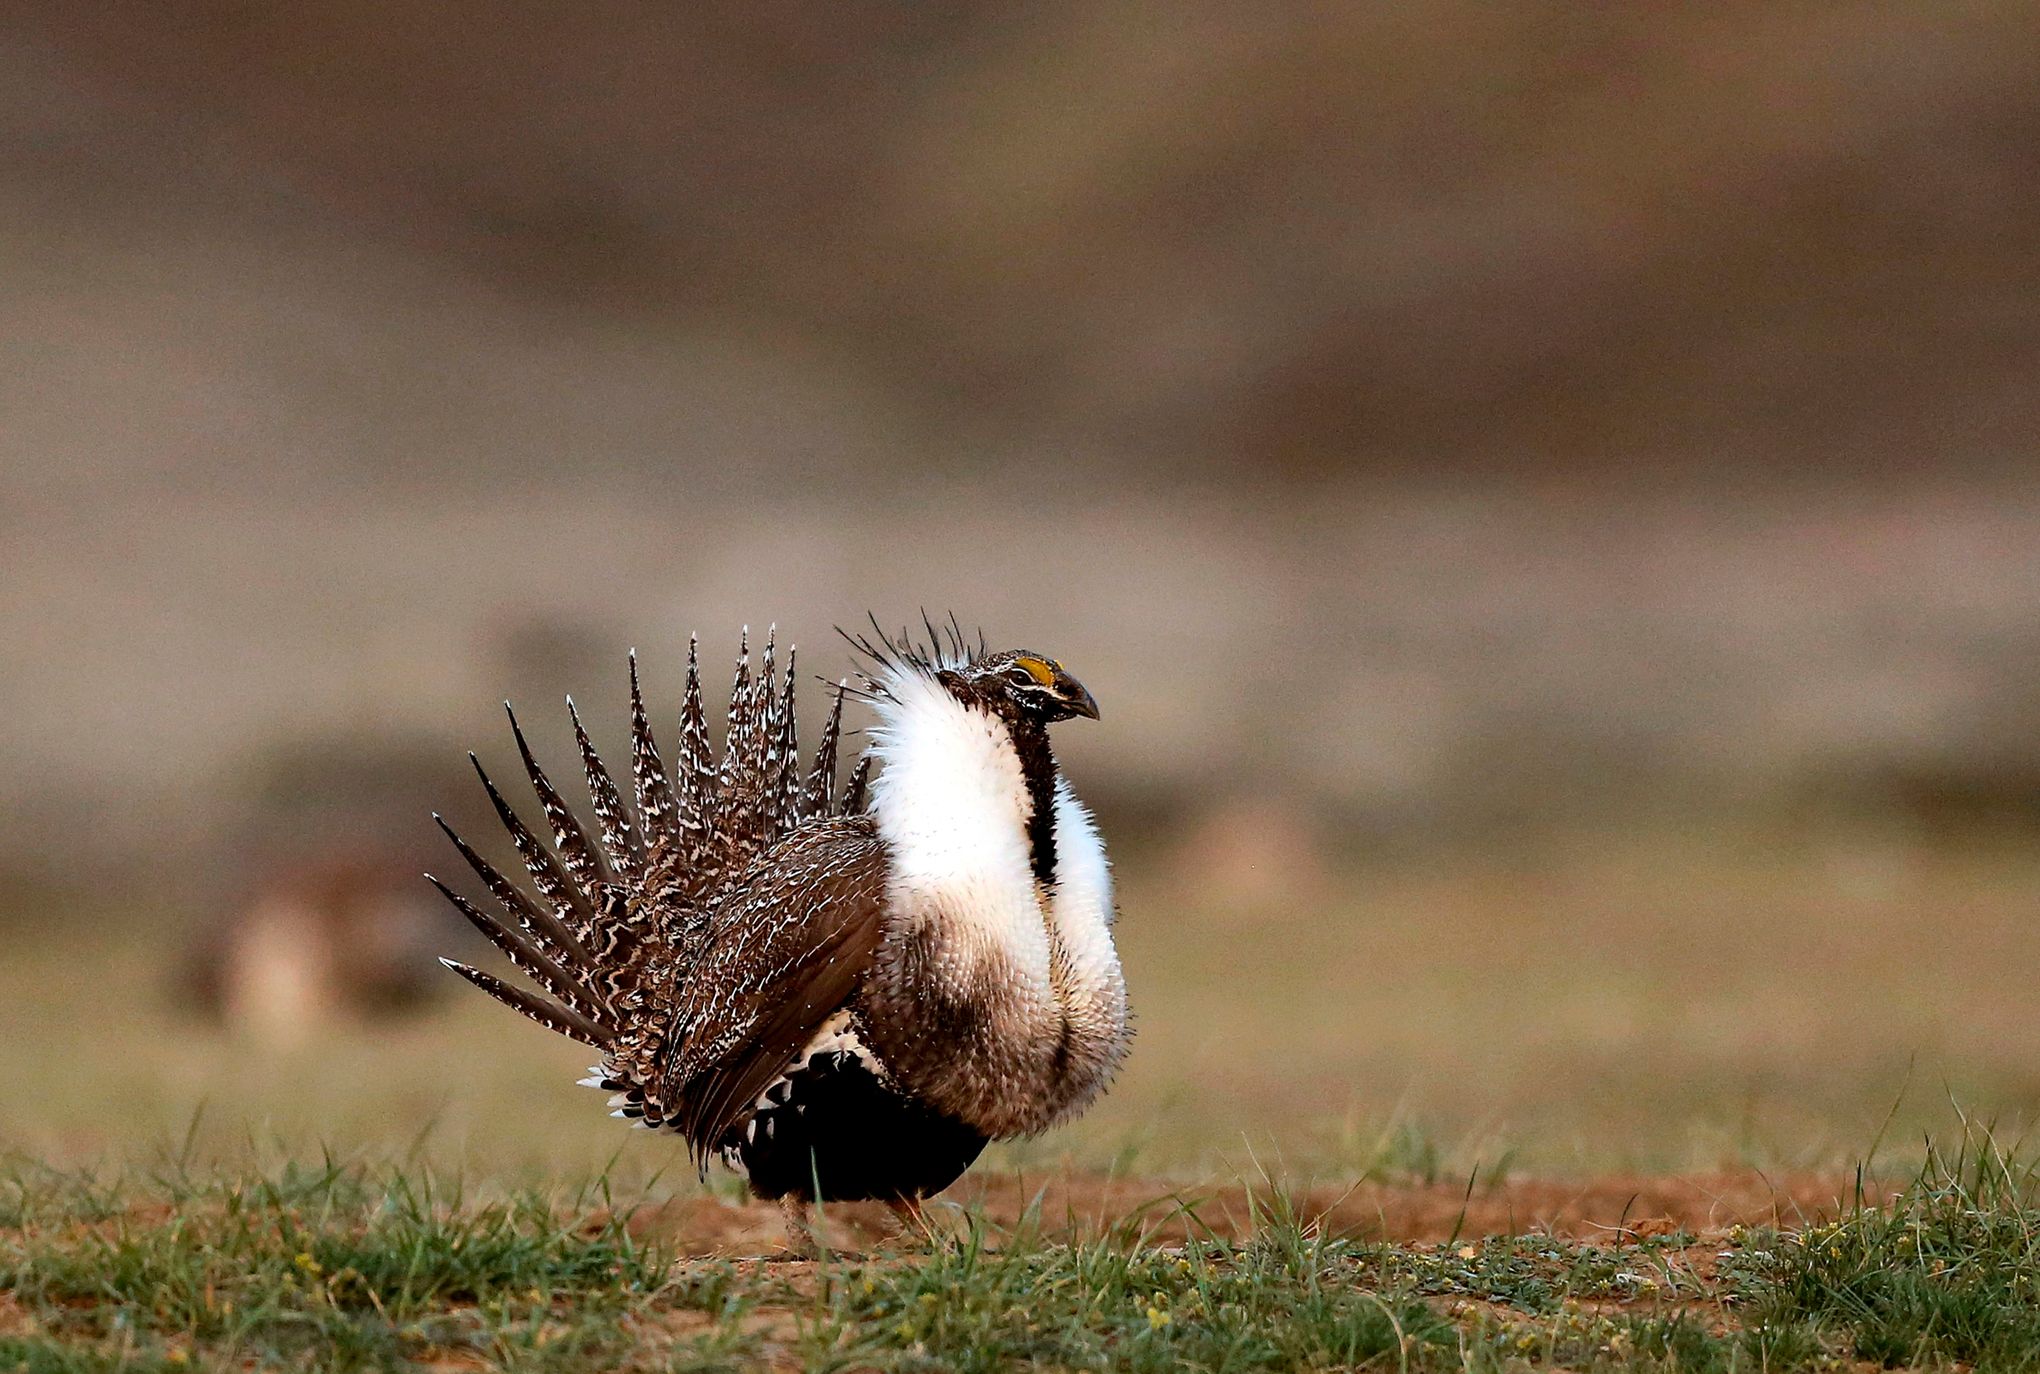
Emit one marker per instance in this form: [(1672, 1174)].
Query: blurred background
[(1545, 495)]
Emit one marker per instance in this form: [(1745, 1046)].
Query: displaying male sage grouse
[(843, 995)]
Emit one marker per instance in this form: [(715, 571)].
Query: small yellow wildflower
[(308, 1264), (1157, 1318)]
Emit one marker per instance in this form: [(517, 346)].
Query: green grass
[(1643, 1009), (1951, 1274), (355, 1266), (336, 1265)]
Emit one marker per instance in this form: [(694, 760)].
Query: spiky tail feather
[(617, 919)]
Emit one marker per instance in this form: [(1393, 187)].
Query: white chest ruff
[(952, 806), (1081, 911)]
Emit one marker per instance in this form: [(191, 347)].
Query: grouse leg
[(913, 1221), (800, 1233)]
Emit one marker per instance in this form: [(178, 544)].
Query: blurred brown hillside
[(1435, 413)]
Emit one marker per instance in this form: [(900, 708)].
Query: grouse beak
[(1076, 699)]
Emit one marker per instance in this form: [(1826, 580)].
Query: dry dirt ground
[(1607, 1209)]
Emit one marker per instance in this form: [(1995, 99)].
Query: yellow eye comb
[(1041, 670)]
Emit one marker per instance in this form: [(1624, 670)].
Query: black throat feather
[(1037, 768)]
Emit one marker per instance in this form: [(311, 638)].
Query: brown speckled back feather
[(723, 915), (787, 945)]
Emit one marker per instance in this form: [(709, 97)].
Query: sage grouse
[(842, 994)]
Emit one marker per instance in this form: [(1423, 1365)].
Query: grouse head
[(1026, 689), (1019, 685)]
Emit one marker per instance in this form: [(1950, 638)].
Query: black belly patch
[(834, 1123)]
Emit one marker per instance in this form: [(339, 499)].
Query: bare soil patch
[(14, 1321)]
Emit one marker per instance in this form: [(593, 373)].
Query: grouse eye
[(1020, 677)]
